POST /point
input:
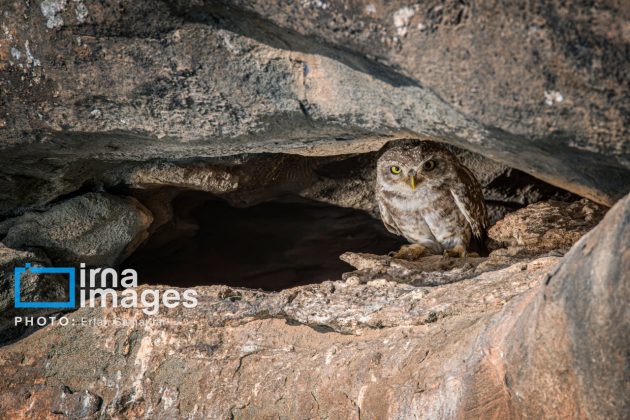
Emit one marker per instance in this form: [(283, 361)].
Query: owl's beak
[(412, 178)]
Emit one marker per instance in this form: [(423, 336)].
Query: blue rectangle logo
[(69, 271)]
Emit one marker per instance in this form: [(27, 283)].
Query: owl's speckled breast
[(421, 221)]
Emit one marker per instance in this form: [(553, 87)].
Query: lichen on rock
[(51, 9)]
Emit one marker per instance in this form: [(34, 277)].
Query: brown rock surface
[(252, 101), (96, 229), (329, 350), (546, 226), (561, 351), (551, 71), (545, 338)]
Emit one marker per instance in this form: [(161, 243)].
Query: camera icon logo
[(19, 271)]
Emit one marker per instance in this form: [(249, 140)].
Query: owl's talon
[(457, 252), (410, 252)]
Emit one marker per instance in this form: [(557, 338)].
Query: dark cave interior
[(270, 246)]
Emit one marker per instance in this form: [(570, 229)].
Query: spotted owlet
[(426, 195)]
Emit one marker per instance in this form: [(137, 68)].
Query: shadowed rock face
[(240, 221), (95, 229), (546, 226), (551, 71), (562, 350), (534, 88)]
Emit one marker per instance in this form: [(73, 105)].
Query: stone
[(561, 350), (251, 101), (517, 72), (185, 81), (82, 405), (345, 180), (313, 344), (97, 229), (33, 288), (546, 226), (432, 270)]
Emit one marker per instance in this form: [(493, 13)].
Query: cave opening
[(271, 246)]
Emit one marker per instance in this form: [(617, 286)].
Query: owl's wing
[(469, 200), (387, 219)]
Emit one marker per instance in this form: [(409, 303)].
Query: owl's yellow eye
[(429, 165), (395, 170)]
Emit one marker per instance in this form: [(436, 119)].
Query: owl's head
[(408, 167)]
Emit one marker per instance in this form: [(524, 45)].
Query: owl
[(427, 196)]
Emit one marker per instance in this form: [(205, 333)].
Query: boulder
[(545, 78), (335, 349), (97, 229), (88, 87), (546, 225), (561, 350), (248, 101)]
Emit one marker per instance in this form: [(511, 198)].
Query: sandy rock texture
[(541, 338), (336, 349), (88, 86)]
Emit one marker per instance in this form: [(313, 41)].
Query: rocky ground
[(434, 337)]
